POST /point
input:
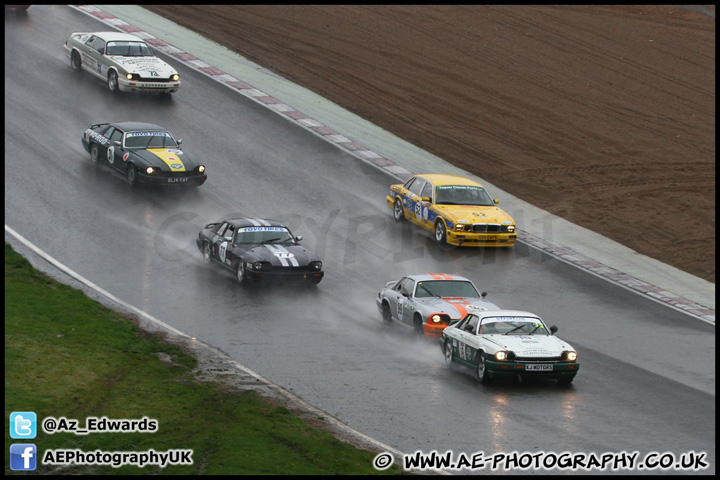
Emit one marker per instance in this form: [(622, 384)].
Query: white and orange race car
[(428, 302)]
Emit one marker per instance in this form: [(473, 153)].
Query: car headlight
[(149, 169), (317, 265), (436, 318), (569, 356), (258, 265), (511, 228), (201, 168), (502, 355), (129, 76), (175, 77), (459, 227)]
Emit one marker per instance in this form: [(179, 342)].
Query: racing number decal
[(222, 250), (399, 309), (111, 154), (418, 211), (462, 351)]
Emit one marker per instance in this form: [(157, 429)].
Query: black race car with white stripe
[(254, 248)]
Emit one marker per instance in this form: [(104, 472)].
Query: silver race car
[(122, 60), (429, 302)]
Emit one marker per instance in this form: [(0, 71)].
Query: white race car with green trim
[(509, 343), (125, 62)]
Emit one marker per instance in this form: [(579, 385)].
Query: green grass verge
[(68, 356)]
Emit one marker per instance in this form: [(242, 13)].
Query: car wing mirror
[(425, 199), (298, 238), (118, 143), (553, 329), (483, 295), (179, 141), (496, 201)]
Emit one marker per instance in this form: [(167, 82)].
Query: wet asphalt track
[(647, 377)]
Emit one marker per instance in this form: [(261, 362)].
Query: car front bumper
[(190, 179), (481, 239), (125, 85), (278, 276), (560, 370)]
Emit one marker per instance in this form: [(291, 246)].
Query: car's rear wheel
[(386, 316), (398, 213), (448, 352), (482, 372), (75, 61), (418, 326), (206, 252), (132, 177), (112, 82), (94, 154), (240, 272), (440, 233)]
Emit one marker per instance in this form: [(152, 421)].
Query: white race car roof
[(506, 313), (117, 36)]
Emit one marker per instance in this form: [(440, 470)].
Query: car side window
[(472, 324), (417, 186), (99, 44), (222, 228), (427, 191), (409, 183), (229, 233), (406, 286), (399, 284), (108, 133), (116, 136), (89, 41), (461, 324)]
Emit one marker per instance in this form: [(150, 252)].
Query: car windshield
[(128, 49), (149, 140), (263, 235), (513, 326), (445, 288), (462, 195)]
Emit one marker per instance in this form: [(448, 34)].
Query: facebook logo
[(23, 425), (23, 456)]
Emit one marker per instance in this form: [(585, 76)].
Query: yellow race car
[(457, 210)]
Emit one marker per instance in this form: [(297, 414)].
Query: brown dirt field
[(603, 115)]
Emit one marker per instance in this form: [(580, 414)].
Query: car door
[(467, 340), (415, 200), (224, 246), (95, 57), (423, 212), (392, 296), (115, 152), (404, 309)]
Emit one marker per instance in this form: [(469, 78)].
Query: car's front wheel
[(132, 175), (94, 154), (448, 352), (482, 372), (440, 233), (112, 81), (75, 61), (206, 252), (398, 213)]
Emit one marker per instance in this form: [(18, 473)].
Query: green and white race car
[(122, 60), (509, 343)]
